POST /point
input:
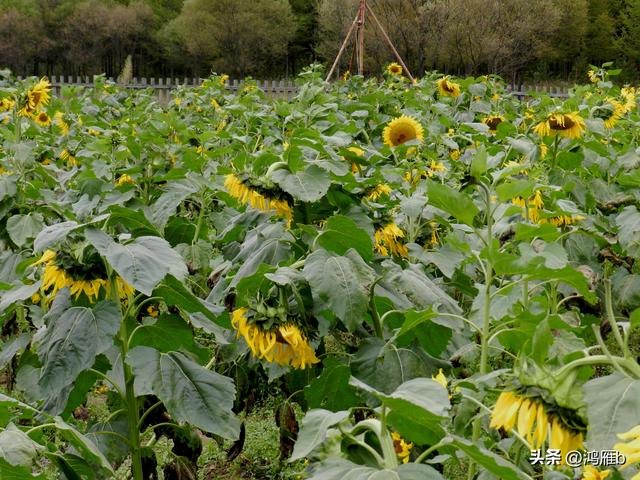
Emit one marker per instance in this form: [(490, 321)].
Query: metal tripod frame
[(357, 26)]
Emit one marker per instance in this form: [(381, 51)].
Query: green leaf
[(17, 472), (166, 205), (23, 227), (8, 186), (342, 233), (340, 284), (309, 185), (142, 263), (515, 188), (343, 469), (87, 449), (452, 201), (73, 340), (190, 392), (133, 220), (628, 222), (489, 461), (166, 333), (613, 407), (479, 163), (11, 348), (16, 447), (52, 234), (18, 294), (331, 390), (313, 430), (417, 408)]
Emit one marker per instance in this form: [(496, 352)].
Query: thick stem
[(377, 323), (386, 442), (133, 414), (612, 319)]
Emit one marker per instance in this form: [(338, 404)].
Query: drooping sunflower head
[(125, 179), (6, 104), (257, 196), (630, 446), (388, 239), (85, 278), (402, 447), (43, 119), (589, 472), (593, 76), (394, 69), (610, 112), (537, 420), (401, 130), (378, 191), (628, 94), (568, 125), (447, 88), (61, 122), (39, 94), (281, 343), (492, 121)]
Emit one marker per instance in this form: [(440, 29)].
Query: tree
[(241, 37)]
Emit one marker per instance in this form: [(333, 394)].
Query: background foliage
[(519, 39)]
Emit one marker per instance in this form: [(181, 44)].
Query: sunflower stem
[(133, 413), (377, 322), (608, 304), (486, 318)]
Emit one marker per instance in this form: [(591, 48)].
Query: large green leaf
[(331, 390), (190, 392), (340, 284), (488, 460), (174, 293), (23, 227), (613, 407), (628, 222), (17, 472), (143, 262), (417, 408), (87, 449), (12, 347), (342, 469), (342, 233), (309, 185), (452, 201), (313, 430), (73, 340), (16, 447), (166, 205), (17, 295)]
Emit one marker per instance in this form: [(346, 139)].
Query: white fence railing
[(275, 88)]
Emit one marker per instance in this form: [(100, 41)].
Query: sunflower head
[(39, 94), (447, 88), (568, 125), (42, 119), (492, 121), (402, 447), (388, 239), (401, 130), (394, 69)]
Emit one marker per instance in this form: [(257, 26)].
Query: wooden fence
[(274, 88)]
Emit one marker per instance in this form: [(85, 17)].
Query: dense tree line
[(533, 39)]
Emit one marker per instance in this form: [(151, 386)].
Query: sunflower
[(592, 473), (630, 447), (283, 344), (215, 104), (60, 121), (6, 104), (454, 154), (125, 179), (568, 125), (378, 191), (42, 119), (594, 77), (493, 121), (402, 448), (628, 94), (401, 130), (436, 167), (610, 112), (530, 419), (153, 311), (394, 69), (69, 158), (38, 95), (448, 88), (358, 152), (387, 239), (440, 378), (564, 220), (414, 176), (224, 79), (60, 272), (531, 206), (250, 196)]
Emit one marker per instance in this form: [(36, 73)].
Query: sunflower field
[(436, 279)]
